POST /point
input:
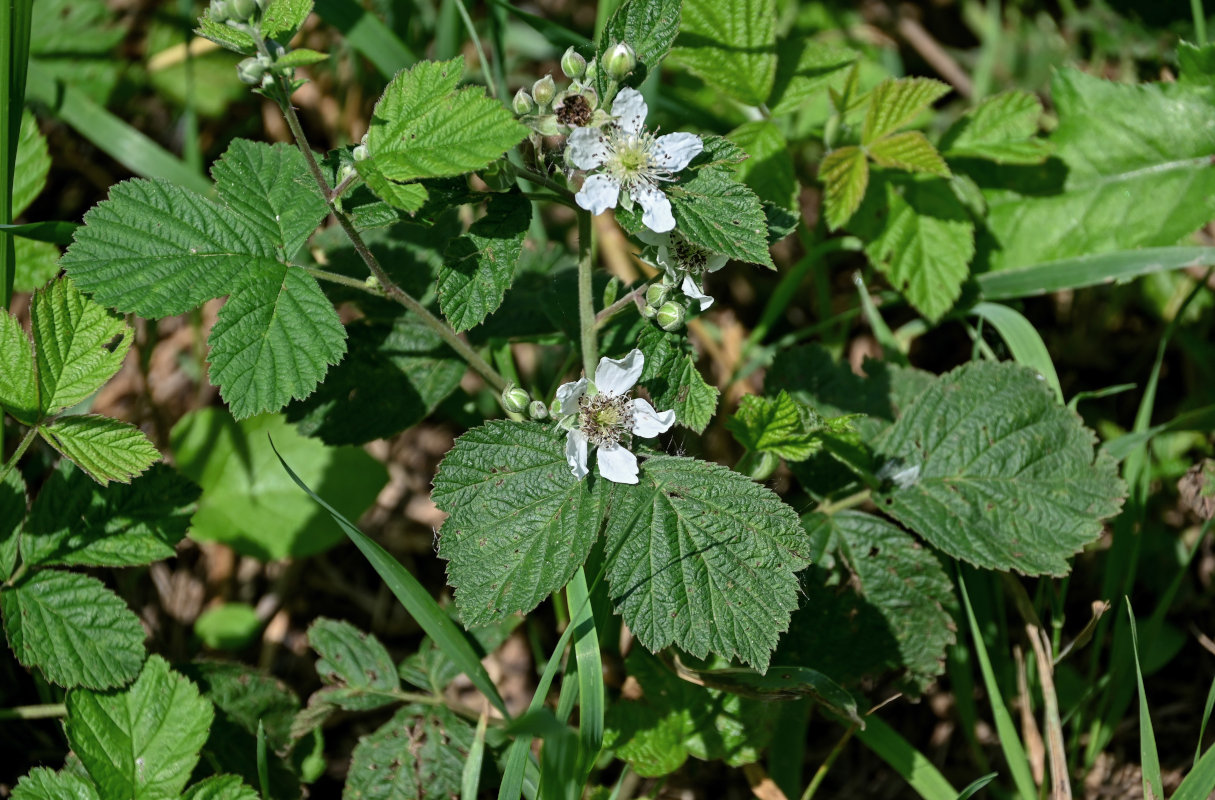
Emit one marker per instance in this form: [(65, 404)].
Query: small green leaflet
[(909, 151), (280, 21), (770, 174), (18, 381), (701, 557), (73, 628), (478, 267), (845, 176), (1197, 63), (143, 742), (106, 449), (353, 662), (12, 518), (221, 787), (896, 102), (1002, 128), (648, 26), (407, 197), (44, 784), (439, 744), (998, 474), (520, 523), (672, 379), (33, 164), (783, 426), (731, 46), (228, 626)]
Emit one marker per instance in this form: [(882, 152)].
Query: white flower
[(683, 263), (601, 414), (633, 160)]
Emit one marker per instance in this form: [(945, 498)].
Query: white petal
[(629, 109), (656, 239), (663, 257), (716, 262), (587, 148), (649, 423), (575, 453), (617, 464), (617, 375), (657, 216), (569, 394), (675, 150), (598, 193), (692, 292)]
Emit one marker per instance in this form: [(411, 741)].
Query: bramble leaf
[(407, 197), (845, 176), (439, 742), (32, 166), (783, 426), (896, 102), (12, 519), (1002, 476), (731, 46), (479, 266), (73, 628), (648, 26), (44, 784), (37, 264), (803, 68), (718, 212), (1002, 128), (672, 379), (353, 662), (106, 449), (910, 151), (770, 174), (18, 381), (221, 787), (280, 21)]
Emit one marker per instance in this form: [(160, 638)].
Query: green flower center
[(605, 418)]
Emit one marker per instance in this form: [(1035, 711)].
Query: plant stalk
[(22, 446), (586, 300), (48, 711), (631, 298)]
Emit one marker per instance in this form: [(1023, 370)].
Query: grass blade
[(913, 765), (1153, 787), (1023, 341), (559, 35), (591, 703), (1206, 717), (15, 16), (973, 788), (470, 779), (414, 597), (1200, 783), (368, 34), (1075, 273), (55, 232)]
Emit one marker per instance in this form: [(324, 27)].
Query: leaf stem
[(821, 772), (632, 297), (545, 181), (48, 711), (851, 501), (22, 446), (586, 302), (344, 280)]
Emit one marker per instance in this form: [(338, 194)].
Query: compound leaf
[(479, 266), (895, 102), (1002, 128), (845, 176)]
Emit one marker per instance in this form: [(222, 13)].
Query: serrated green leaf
[(719, 213), (1006, 477), (520, 523), (648, 26), (422, 127), (356, 661), (922, 239), (18, 381), (479, 266), (273, 341), (228, 626), (71, 43), (878, 604), (770, 174), (805, 67), (896, 102), (221, 787), (106, 449), (73, 628), (249, 502), (75, 521), (37, 263), (703, 558), (280, 21), (33, 165), (778, 425), (12, 518), (845, 176), (78, 345), (44, 784), (671, 378), (1002, 128), (675, 718), (300, 57), (439, 743), (142, 742), (910, 151), (269, 186), (407, 197), (731, 46)]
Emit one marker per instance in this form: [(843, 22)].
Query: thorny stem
[(632, 297), (586, 302), (22, 446)]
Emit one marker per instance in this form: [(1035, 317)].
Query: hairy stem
[(586, 302), (545, 181), (632, 298), (22, 446)]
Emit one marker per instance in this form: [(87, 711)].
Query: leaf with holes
[(439, 742)]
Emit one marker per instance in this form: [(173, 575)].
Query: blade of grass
[(559, 35), (1206, 717), (1200, 783), (470, 778), (881, 331), (591, 703), (414, 597), (1200, 419), (55, 232), (787, 750), (263, 761), (911, 764), (1023, 341), (1153, 787), (971, 790), (367, 34), (15, 17), (1075, 273)]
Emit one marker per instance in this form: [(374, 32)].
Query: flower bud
[(671, 316), (591, 74), (360, 152), (619, 60), (545, 125), (657, 294), (523, 103), (251, 71), (242, 10), (537, 410), (572, 64), (220, 12), (544, 90), (515, 399)]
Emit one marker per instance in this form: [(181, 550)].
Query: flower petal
[(657, 216), (629, 109), (598, 193), (569, 394), (692, 292), (649, 423), (617, 464), (575, 453), (587, 148), (617, 375), (675, 150), (655, 239)]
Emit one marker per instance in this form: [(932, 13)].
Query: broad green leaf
[(78, 345), (1131, 169), (404, 196), (896, 102), (877, 604), (72, 42), (770, 174), (270, 187), (1003, 477), (221, 787), (37, 264), (75, 521), (280, 21), (1002, 128), (731, 46), (18, 381), (422, 127), (33, 164), (701, 557), (910, 151), (106, 449), (438, 743), (718, 212), (355, 661), (228, 626), (273, 341), (1197, 63), (674, 719), (648, 26), (479, 266), (520, 523), (845, 176), (672, 379), (12, 518), (805, 67), (249, 502), (782, 426), (73, 628), (44, 784), (921, 238), (142, 742)]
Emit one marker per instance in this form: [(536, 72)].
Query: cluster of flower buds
[(551, 111), (259, 70), (239, 12), (669, 312), (516, 400)]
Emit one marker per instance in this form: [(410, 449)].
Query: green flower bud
[(657, 294), (360, 152), (537, 410), (251, 71), (671, 316), (515, 399), (220, 12), (554, 407), (619, 60), (545, 125), (591, 74), (243, 10), (543, 90), (523, 103), (572, 64)]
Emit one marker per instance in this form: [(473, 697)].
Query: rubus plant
[(364, 283)]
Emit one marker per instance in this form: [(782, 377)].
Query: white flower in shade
[(632, 162), (684, 263), (602, 414)]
